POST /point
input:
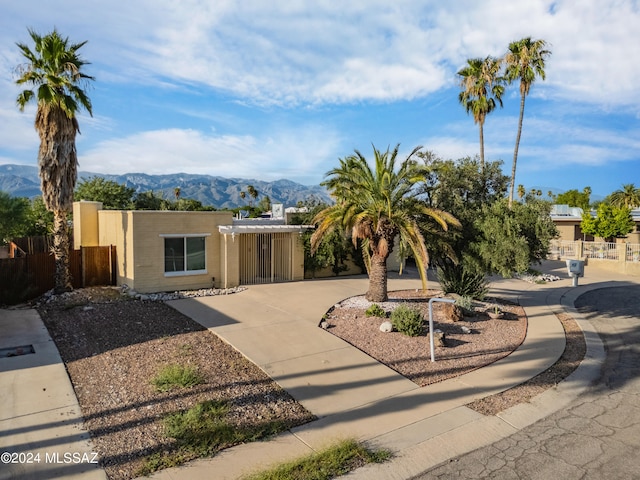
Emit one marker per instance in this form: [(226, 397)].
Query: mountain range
[(23, 181)]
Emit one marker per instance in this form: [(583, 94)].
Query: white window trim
[(186, 273)]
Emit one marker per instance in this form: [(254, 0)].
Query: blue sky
[(282, 89)]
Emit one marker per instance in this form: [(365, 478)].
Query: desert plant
[(460, 280), (466, 304), (176, 376), (407, 320), (375, 310)]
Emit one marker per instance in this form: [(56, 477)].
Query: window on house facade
[(184, 255)]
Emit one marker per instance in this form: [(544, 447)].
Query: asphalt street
[(598, 435)]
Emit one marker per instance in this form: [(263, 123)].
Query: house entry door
[(265, 258)]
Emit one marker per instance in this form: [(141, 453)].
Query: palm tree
[(53, 74), (525, 61), (376, 206), (628, 197), (253, 193), (482, 89), (521, 191)]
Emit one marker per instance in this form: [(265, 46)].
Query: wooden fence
[(90, 266)]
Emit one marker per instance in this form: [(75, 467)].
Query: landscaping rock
[(452, 312), (439, 338), (386, 327)]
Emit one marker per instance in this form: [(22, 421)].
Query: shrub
[(407, 320), (466, 304), (375, 310), (457, 279), (176, 376)]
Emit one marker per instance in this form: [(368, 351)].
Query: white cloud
[(299, 155), (287, 52)]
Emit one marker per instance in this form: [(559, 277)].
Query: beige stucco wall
[(139, 240), (569, 230), (85, 224)]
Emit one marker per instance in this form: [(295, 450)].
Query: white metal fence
[(603, 251), (596, 250), (563, 248), (633, 252)]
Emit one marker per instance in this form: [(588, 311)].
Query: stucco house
[(567, 220), (177, 250)]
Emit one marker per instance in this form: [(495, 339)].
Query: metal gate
[(265, 258)]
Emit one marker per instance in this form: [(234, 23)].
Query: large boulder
[(451, 312)]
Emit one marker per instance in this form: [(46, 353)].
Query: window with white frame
[(185, 254)]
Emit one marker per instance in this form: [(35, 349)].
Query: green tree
[(461, 188), (113, 195), (628, 196), (333, 249), (525, 61), (150, 201), (574, 198), (54, 78), (40, 220), (376, 206), (512, 238), (265, 204), (14, 215), (610, 222), (482, 89)]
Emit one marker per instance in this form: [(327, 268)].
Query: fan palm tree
[(54, 77), (628, 196), (482, 89), (253, 193), (525, 61), (376, 206)]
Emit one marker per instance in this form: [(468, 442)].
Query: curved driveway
[(598, 435)]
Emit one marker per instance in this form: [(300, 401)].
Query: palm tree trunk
[(377, 279), (481, 147), (515, 151), (61, 252)]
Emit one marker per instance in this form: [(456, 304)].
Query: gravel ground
[(489, 340), (113, 346)]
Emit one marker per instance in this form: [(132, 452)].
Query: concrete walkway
[(41, 428), (276, 326)]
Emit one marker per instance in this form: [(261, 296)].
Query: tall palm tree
[(482, 89), (628, 196), (525, 61), (54, 77), (253, 193), (376, 206)]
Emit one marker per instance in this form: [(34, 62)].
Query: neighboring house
[(567, 220), (177, 250)]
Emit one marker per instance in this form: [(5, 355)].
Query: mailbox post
[(575, 268)]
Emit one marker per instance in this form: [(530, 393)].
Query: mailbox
[(575, 268)]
